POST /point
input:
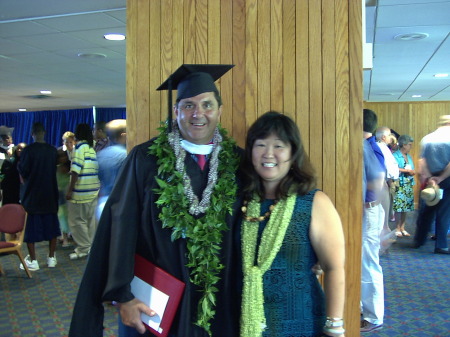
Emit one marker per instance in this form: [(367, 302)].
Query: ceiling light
[(416, 96), (92, 55), (114, 37), (440, 75), (45, 92), (410, 36), (21, 110)]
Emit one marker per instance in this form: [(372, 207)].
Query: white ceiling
[(40, 41), (39, 45), (405, 68)]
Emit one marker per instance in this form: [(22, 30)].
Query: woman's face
[(407, 147), (69, 142), (19, 149), (271, 158)]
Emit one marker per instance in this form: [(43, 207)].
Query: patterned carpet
[(42, 306), (417, 294), (417, 290)]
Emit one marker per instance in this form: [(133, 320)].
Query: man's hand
[(130, 312)]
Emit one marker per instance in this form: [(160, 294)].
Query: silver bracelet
[(335, 332)]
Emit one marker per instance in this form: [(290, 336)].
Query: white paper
[(154, 298)]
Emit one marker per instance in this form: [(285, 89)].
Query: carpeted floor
[(42, 306), (417, 294)]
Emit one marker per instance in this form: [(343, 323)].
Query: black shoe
[(441, 251)]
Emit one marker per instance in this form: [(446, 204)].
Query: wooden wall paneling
[(315, 88), (251, 61), (131, 69), (239, 72), (264, 63), (177, 38), (353, 228), (343, 135), (276, 57), (189, 32), (289, 58), (301, 57), (201, 45), (226, 57), (329, 98), (151, 70), (302, 71), (213, 31)]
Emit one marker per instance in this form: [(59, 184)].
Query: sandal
[(398, 234), (405, 233)]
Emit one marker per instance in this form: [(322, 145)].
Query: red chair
[(13, 219)]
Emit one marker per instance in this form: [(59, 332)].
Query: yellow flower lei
[(253, 321)]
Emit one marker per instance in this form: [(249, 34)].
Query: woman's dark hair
[(84, 132), (301, 175)]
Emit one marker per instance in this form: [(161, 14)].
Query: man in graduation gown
[(187, 179)]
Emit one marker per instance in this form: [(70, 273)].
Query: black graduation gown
[(129, 224)]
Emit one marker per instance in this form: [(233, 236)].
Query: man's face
[(197, 117), (7, 140)]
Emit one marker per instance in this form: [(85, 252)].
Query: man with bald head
[(110, 160)]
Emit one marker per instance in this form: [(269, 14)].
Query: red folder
[(164, 282)]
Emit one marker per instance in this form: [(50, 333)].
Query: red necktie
[(201, 160)]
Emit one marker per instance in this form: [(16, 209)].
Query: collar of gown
[(196, 149)]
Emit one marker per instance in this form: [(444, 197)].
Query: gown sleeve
[(110, 265)]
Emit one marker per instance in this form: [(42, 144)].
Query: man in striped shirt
[(82, 192)]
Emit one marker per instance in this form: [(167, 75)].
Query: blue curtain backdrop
[(108, 114), (56, 122)]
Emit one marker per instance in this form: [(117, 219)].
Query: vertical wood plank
[(302, 71), (239, 72), (289, 58), (315, 87), (226, 57), (214, 18), (201, 32), (251, 66), (329, 98), (264, 51), (189, 31), (353, 228), (276, 57)]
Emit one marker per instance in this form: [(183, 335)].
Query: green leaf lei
[(203, 235)]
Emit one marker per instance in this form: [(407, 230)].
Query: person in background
[(288, 226), (404, 198), (6, 145), (63, 179), (110, 160), (372, 283), (68, 146), (37, 167), (6, 152), (435, 170), (170, 224), (65, 154), (82, 192), (101, 140), (11, 184), (384, 137)]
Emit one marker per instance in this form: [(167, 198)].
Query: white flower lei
[(196, 207)]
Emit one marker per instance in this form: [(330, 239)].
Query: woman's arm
[(327, 239)]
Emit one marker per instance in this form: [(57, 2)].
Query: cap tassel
[(169, 105)]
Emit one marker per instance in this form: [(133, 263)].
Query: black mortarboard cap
[(191, 80)]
